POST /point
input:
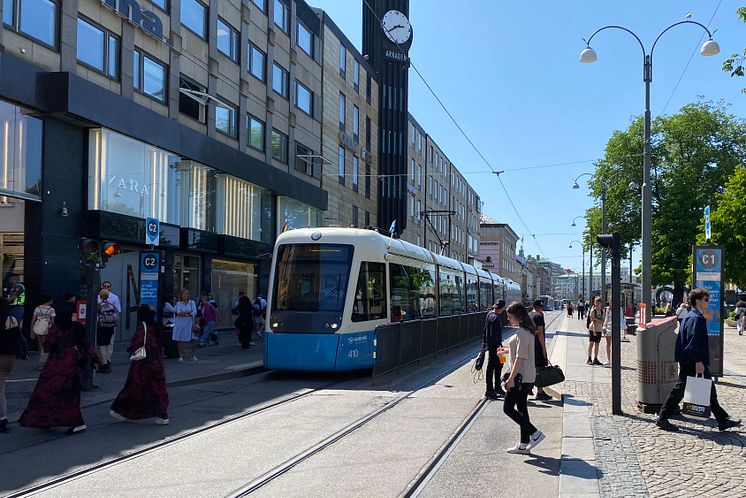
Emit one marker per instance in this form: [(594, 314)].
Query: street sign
[(152, 231), (149, 267), (708, 225), (708, 274)]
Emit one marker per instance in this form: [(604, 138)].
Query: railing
[(405, 343)]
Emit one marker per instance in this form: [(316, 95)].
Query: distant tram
[(331, 287), (548, 302)]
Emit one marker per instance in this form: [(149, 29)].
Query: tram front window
[(312, 277)]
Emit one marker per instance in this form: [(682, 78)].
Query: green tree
[(694, 153), (729, 226), (735, 65)]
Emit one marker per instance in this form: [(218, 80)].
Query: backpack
[(107, 315), (41, 325)]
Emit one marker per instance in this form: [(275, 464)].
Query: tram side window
[(485, 293), (472, 290), (370, 293), (422, 282), (451, 293), (401, 302)]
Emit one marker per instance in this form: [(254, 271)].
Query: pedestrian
[(169, 311), (106, 320), (596, 315), (740, 316), (10, 347), (144, 395), (16, 293), (41, 321), (569, 309), (581, 309), (682, 311), (55, 401), (540, 345), (520, 380), (693, 356), (113, 299), (209, 318), (245, 321), (606, 330), (491, 341), (260, 312), (186, 312)]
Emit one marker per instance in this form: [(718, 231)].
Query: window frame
[(299, 85), (249, 119), (235, 41), (233, 123), (262, 7), (285, 27), (283, 142), (356, 122), (355, 173), (253, 48), (312, 48), (285, 81), (356, 74), (107, 37), (205, 15), (343, 61), (203, 106), (15, 25), (341, 164), (342, 111), (301, 165), (141, 75)]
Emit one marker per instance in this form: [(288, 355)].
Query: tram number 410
[(353, 353)]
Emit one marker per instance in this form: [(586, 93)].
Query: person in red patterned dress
[(144, 395), (55, 401)]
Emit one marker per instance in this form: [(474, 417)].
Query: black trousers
[(515, 406), (494, 367), (677, 394)]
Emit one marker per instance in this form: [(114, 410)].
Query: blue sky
[(509, 73)]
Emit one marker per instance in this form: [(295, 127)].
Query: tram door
[(123, 271)]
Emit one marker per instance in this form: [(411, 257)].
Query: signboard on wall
[(708, 274), (149, 266)]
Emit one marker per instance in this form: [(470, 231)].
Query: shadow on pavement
[(548, 465)]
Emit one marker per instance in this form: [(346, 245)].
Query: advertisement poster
[(708, 274)]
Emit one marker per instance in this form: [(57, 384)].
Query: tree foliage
[(694, 153), (729, 226), (735, 64)]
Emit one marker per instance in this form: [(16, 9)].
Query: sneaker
[(535, 439), (252, 343), (117, 416), (161, 421), (76, 430), (665, 425), (543, 397), (500, 391), (194, 358), (596, 362), (518, 449), (180, 359), (728, 423), (589, 362), (490, 394), (607, 365)]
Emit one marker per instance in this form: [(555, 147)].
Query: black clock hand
[(395, 27)]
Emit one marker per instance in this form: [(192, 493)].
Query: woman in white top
[(186, 311), (521, 378), (606, 329), (43, 318)]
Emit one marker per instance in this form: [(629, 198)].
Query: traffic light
[(108, 249), (95, 253), (610, 241)]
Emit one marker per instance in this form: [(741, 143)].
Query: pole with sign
[(707, 273), (152, 231), (708, 225), (149, 266)]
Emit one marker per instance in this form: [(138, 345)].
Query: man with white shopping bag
[(693, 355)]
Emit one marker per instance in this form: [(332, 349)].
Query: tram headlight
[(334, 326), (275, 325)]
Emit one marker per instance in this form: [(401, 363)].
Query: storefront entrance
[(123, 271)]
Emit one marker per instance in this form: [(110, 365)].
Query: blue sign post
[(149, 268), (708, 274), (152, 231)]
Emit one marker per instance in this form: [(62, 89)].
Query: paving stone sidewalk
[(634, 457)]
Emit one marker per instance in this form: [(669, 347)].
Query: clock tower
[(387, 36)]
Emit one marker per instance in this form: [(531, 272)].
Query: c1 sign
[(708, 274)]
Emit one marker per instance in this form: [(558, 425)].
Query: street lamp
[(582, 249), (590, 260), (709, 47)]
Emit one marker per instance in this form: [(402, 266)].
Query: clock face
[(396, 27)]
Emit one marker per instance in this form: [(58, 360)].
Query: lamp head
[(634, 186), (588, 55), (573, 224), (710, 47), (575, 185)]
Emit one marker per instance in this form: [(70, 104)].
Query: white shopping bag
[(697, 396)]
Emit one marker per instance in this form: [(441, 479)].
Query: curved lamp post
[(590, 261), (709, 47), (582, 249)]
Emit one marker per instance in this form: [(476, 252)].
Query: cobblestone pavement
[(635, 458)]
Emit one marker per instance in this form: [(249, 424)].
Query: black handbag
[(548, 376)]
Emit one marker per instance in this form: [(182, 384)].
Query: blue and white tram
[(331, 287)]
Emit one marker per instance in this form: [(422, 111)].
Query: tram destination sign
[(131, 10)]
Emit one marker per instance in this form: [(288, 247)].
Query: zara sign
[(131, 10)]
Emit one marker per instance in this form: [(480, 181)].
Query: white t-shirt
[(113, 299), (521, 345)]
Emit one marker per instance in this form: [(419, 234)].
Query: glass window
[(367, 181), (342, 110), (355, 216), (150, 76), (367, 133), (256, 134), (194, 17), (137, 63), (281, 15), (370, 293), (356, 122), (228, 278), (279, 146), (227, 40), (472, 291), (355, 172), (342, 60), (312, 277), (112, 68), (91, 47), (280, 80), (368, 90), (305, 39), (450, 298), (341, 165), (303, 98), (192, 103), (226, 120), (260, 4), (485, 294), (256, 62), (245, 209), (303, 163), (38, 19), (8, 12), (20, 163), (356, 74), (198, 194)]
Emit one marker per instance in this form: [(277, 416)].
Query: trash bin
[(657, 370), (167, 341)]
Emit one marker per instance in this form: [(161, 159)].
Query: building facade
[(191, 112), (567, 287), (497, 248)]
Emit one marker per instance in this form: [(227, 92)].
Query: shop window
[(256, 133), (192, 100), (280, 80), (295, 214), (227, 40), (149, 76), (279, 146), (20, 163), (370, 293), (228, 278), (38, 19), (98, 49)]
